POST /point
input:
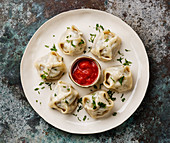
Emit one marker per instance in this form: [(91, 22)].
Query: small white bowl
[(75, 61)]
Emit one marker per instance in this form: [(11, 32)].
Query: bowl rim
[(75, 61)]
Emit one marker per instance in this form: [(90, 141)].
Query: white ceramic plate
[(85, 20)]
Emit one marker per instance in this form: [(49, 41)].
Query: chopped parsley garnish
[(127, 50), (95, 86), (113, 80), (36, 100), (93, 36), (120, 59), (102, 27), (68, 27), (43, 76), (64, 86), (74, 114), (89, 49), (121, 95), (55, 94), (46, 46), (94, 103), (62, 58), (68, 41), (40, 102), (84, 118), (123, 99), (36, 89), (120, 53), (66, 101), (102, 105), (73, 44), (91, 90), (127, 62), (79, 108), (109, 30), (49, 84), (38, 92), (53, 35), (106, 40), (53, 48), (114, 114), (41, 83), (82, 42), (43, 87), (78, 118), (68, 89), (67, 36), (121, 80), (80, 100), (110, 93), (45, 72)]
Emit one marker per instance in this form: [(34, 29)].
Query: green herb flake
[(127, 62), (41, 83), (68, 27), (45, 72), (127, 50), (68, 89), (89, 49), (38, 92), (94, 103), (43, 76), (74, 114), (68, 41), (79, 108), (43, 87), (95, 86), (66, 101), (122, 95), (100, 86), (67, 36), (53, 35), (113, 80), (121, 80), (93, 36), (80, 100), (106, 40), (40, 102), (109, 30), (36, 89), (123, 99), (120, 53), (36, 100), (91, 90), (78, 119), (110, 93), (114, 114), (73, 44), (64, 86), (84, 118), (82, 42), (102, 27), (120, 59), (55, 94), (53, 48), (97, 27), (102, 105), (46, 46)]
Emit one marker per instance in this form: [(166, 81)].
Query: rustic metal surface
[(19, 19)]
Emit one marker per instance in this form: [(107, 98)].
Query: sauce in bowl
[(85, 71)]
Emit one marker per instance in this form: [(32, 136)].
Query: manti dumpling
[(64, 98), (118, 78), (106, 45), (72, 42), (98, 104), (50, 66)]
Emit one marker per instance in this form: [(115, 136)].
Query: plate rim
[(147, 74)]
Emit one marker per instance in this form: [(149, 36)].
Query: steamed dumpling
[(64, 98), (50, 66), (106, 45), (98, 104), (72, 42), (118, 78)]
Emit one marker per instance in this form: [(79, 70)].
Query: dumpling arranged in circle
[(97, 104), (118, 78), (72, 42), (64, 98), (50, 66), (106, 45)]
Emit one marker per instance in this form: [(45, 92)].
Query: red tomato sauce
[(85, 71)]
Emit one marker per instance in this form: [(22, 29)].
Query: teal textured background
[(19, 19)]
